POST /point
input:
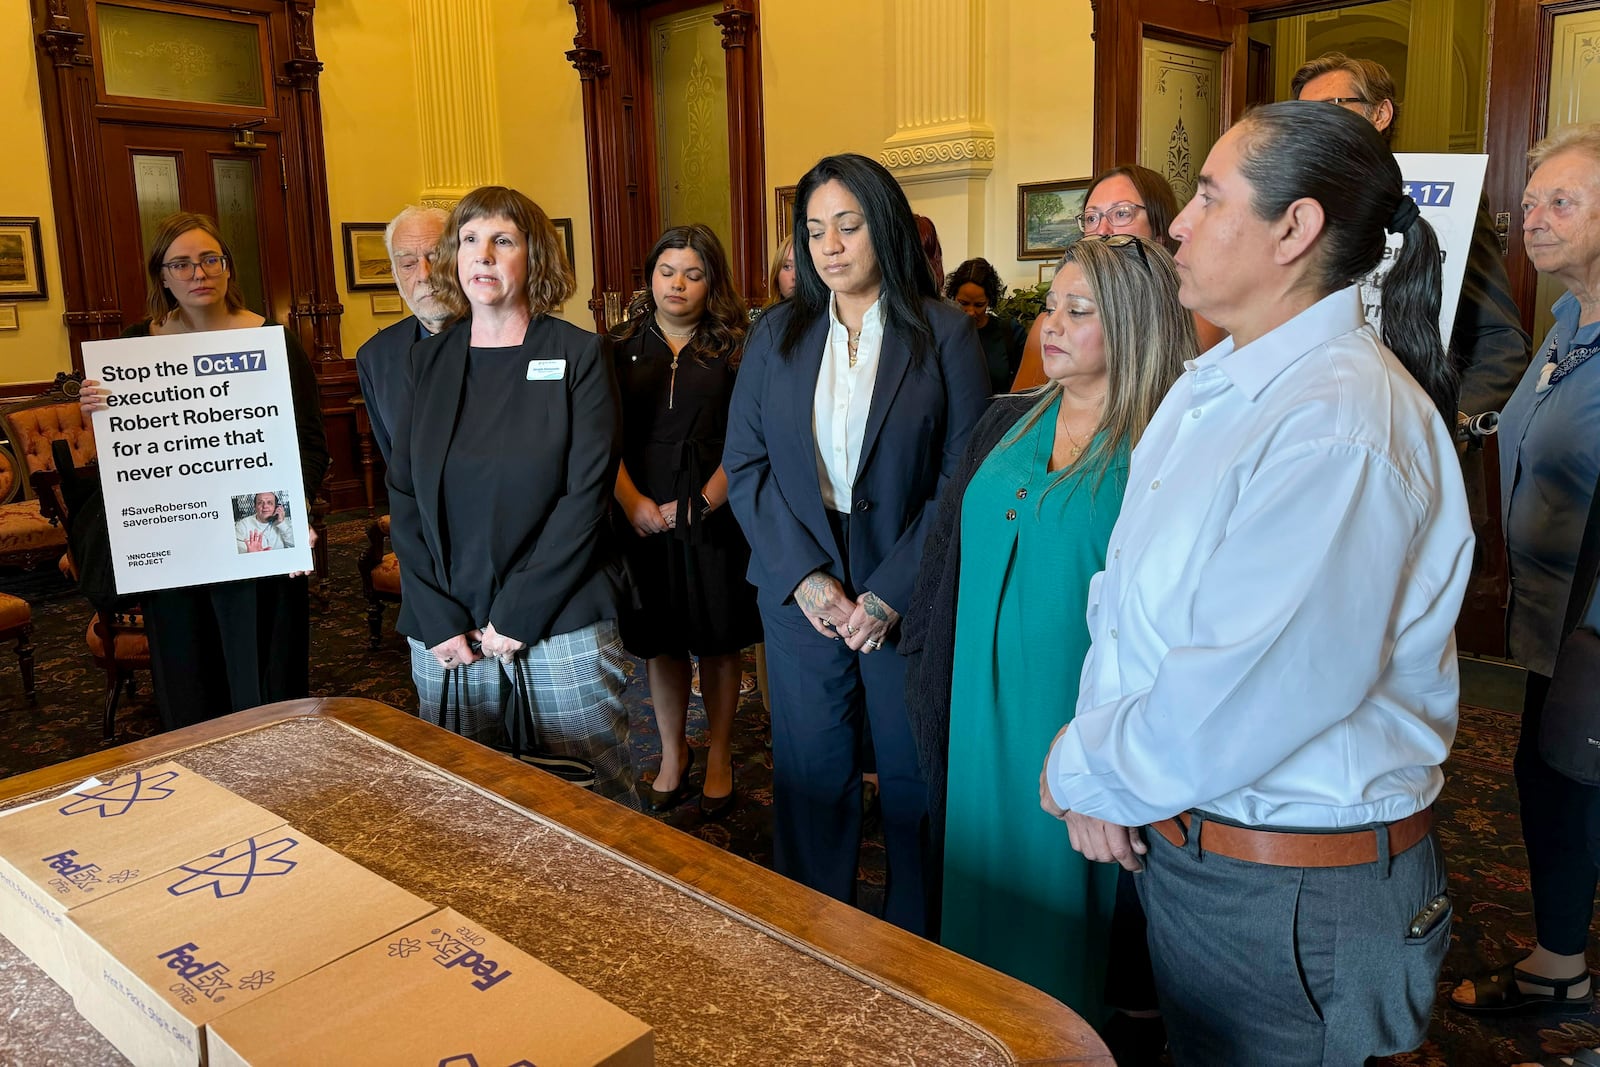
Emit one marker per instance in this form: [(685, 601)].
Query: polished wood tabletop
[(730, 963)]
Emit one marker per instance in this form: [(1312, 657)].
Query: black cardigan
[(928, 628)]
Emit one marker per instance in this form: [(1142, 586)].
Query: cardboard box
[(153, 964), (443, 991), (103, 838)]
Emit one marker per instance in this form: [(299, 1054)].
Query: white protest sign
[(1446, 188), (199, 458)]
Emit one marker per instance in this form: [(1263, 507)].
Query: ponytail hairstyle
[(1299, 149), (907, 277)]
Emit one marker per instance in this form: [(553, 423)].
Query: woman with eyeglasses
[(996, 623), (975, 287), (216, 649), (1133, 200)]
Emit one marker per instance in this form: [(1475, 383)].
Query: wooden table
[(729, 962)]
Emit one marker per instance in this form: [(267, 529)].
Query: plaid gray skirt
[(574, 682)]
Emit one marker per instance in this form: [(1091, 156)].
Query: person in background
[(412, 238), (928, 235), (975, 287), (780, 278), (996, 621), (1128, 199), (1295, 536), (1489, 344), (504, 458), (835, 497), (1549, 464), (675, 364), (226, 646)]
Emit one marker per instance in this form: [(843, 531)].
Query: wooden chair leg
[(374, 623), (113, 696), (25, 662)]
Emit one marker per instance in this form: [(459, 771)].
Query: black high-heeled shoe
[(659, 801), (714, 808)]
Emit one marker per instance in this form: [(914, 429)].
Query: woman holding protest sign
[(227, 646), (505, 454)]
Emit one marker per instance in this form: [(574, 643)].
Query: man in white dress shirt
[(1272, 682)]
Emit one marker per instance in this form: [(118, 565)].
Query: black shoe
[(714, 808), (657, 801)]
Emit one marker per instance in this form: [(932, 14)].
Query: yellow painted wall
[(828, 88), (369, 127), (541, 122), (39, 348)]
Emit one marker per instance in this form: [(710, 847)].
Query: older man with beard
[(411, 239)]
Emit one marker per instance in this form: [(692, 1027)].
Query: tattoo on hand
[(875, 607), (813, 592)]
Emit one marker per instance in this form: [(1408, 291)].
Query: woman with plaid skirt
[(505, 452)]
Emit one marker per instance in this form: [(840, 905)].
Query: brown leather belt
[(1277, 848)]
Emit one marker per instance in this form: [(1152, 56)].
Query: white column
[(458, 113), (943, 147)]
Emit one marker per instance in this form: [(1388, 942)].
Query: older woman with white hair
[(1549, 466)]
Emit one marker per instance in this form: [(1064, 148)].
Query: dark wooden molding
[(610, 52)]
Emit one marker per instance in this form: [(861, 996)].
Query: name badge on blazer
[(546, 370)]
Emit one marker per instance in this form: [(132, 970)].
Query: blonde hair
[(785, 250), (1147, 335), (550, 280)]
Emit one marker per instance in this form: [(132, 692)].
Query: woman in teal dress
[(997, 628)]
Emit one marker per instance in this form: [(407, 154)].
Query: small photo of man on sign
[(263, 522)]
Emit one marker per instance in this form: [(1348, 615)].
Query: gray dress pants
[(1288, 966)]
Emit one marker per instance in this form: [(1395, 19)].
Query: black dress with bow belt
[(693, 596)]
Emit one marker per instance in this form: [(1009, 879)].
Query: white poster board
[(199, 458), (1447, 188)]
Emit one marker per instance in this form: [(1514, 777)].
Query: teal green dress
[(1016, 897)]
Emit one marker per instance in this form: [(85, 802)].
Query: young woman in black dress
[(675, 364)]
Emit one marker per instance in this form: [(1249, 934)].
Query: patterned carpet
[(1477, 811)]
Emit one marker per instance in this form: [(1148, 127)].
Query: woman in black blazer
[(835, 497), (505, 451)]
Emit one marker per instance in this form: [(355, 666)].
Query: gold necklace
[(852, 343), (682, 339)]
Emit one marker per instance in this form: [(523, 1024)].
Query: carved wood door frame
[(611, 54)]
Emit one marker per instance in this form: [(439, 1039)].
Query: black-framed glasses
[(1121, 240), (1121, 213), (210, 266)]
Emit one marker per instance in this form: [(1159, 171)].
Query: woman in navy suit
[(835, 497)]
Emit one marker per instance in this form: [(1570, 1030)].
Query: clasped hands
[(1095, 839), (474, 645), (863, 623)]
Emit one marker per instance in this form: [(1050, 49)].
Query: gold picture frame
[(22, 259)]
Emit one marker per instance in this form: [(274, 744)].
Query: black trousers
[(216, 649), (1561, 826)]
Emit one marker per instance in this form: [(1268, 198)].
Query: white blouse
[(842, 400)]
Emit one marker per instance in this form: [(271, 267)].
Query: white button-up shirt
[(843, 399), (1273, 632)]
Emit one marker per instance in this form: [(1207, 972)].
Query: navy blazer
[(381, 368), (555, 561), (916, 433)]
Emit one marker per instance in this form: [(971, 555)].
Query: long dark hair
[(907, 278), (975, 272), (720, 331), (1299, 149), (1160, 202)]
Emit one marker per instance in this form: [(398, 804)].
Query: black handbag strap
[(1583, 577)]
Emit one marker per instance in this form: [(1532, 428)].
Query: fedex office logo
[(206, 979), (449, 951), (118, 797), (80, 875), (230, 871)]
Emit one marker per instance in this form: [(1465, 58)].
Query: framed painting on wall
[(1047, 214), (366, 260), (784, 196), (564, 228), (21, 260)]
